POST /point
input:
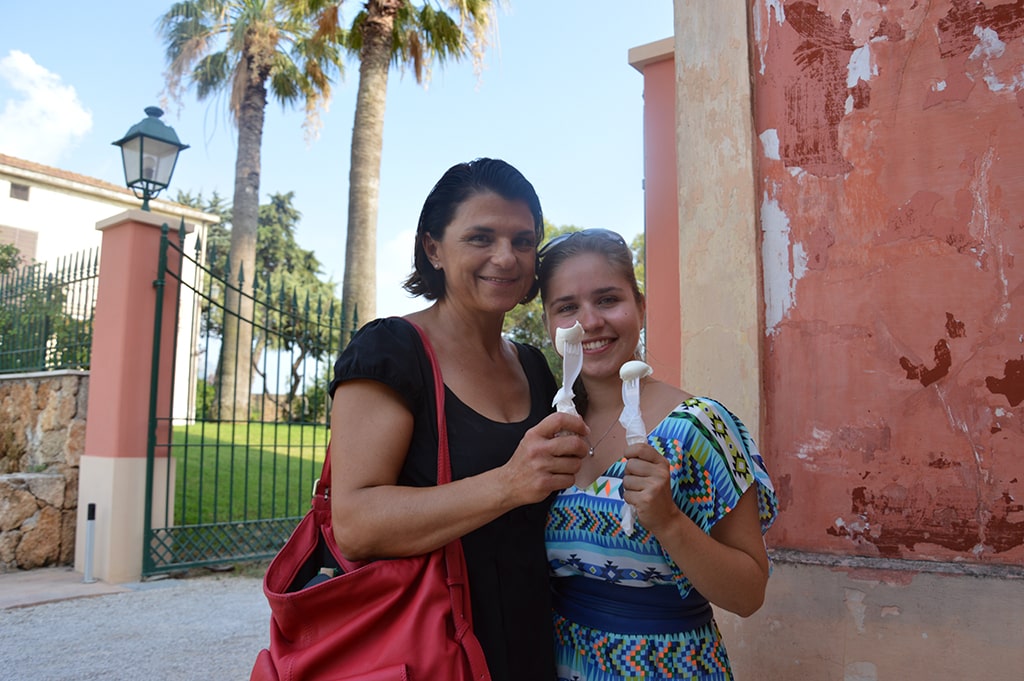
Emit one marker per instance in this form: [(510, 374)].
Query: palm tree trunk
[(359, 285), (235, 384)]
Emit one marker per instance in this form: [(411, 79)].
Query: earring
[(436, 265)]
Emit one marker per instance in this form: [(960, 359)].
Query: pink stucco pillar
[(661, 213), (112, 473)]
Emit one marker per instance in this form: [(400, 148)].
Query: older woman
[(475, 257)]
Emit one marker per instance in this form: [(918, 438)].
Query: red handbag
[(403, 619)]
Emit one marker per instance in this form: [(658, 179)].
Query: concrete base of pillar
[(117, 485)]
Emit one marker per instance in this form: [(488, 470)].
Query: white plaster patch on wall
[(820, 440), (762, 19), (855, 526), (989, 48), (799, 261), (860, 671), (989, 45), (854, 600), (779, 278), (777, 7), (860, 67), (939, 86), (770, 144)]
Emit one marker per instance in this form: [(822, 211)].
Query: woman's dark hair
[(457, 185)]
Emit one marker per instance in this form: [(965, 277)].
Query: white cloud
[(41, 117)]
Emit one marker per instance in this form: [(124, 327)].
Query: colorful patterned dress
[(623, 608)]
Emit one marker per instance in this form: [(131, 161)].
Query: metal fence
[(46, 314), (232, 466)]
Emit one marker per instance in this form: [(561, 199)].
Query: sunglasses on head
[(597, 231)]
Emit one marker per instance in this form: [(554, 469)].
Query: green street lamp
[(149, 151)]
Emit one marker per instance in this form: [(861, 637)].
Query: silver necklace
[(590, 452), (594, 446)]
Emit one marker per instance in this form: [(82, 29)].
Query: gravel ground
[(208, 627)]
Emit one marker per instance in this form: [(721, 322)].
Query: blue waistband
[(628, 610)]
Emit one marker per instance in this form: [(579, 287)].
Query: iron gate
[(234, 447)]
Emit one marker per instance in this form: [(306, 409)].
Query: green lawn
[(245, 471)]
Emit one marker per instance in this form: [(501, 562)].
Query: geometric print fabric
[(713, 461)]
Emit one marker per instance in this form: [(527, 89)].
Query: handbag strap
[(322, 486), (453, 550), (454, 559), (444, 462)]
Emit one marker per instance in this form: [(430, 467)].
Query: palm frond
[(211, 74), (287, 82), (232, 45)]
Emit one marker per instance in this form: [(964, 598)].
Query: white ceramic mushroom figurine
[(569, 344), (632, 421)]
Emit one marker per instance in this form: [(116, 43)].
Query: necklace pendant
[(590, 452)]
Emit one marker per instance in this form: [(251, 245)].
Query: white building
[(48, 213)]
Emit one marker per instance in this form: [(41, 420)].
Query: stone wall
[(42, 438)]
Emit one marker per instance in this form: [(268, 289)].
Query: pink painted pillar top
[(122, 343), (661, 214)]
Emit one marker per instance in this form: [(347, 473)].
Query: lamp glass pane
[(131, 152), (158, 159)]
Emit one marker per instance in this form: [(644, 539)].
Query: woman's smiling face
[(588, 289), (488, 253)]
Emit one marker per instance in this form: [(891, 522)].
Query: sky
[(556, 98)]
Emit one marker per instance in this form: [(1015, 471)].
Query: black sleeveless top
[(505, 558)]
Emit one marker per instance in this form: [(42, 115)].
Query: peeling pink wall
[(891, 174)]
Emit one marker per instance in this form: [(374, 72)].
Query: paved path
[(52, 626)]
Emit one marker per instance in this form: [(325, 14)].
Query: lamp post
[(149, 151)]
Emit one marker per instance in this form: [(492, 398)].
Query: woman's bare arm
[(729, 567), (373, 517)]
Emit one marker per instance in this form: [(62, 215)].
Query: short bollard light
[(149, 151)]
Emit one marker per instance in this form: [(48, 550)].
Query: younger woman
[(637, 606)]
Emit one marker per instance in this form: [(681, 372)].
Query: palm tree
[(250, 49), (406, 34)]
